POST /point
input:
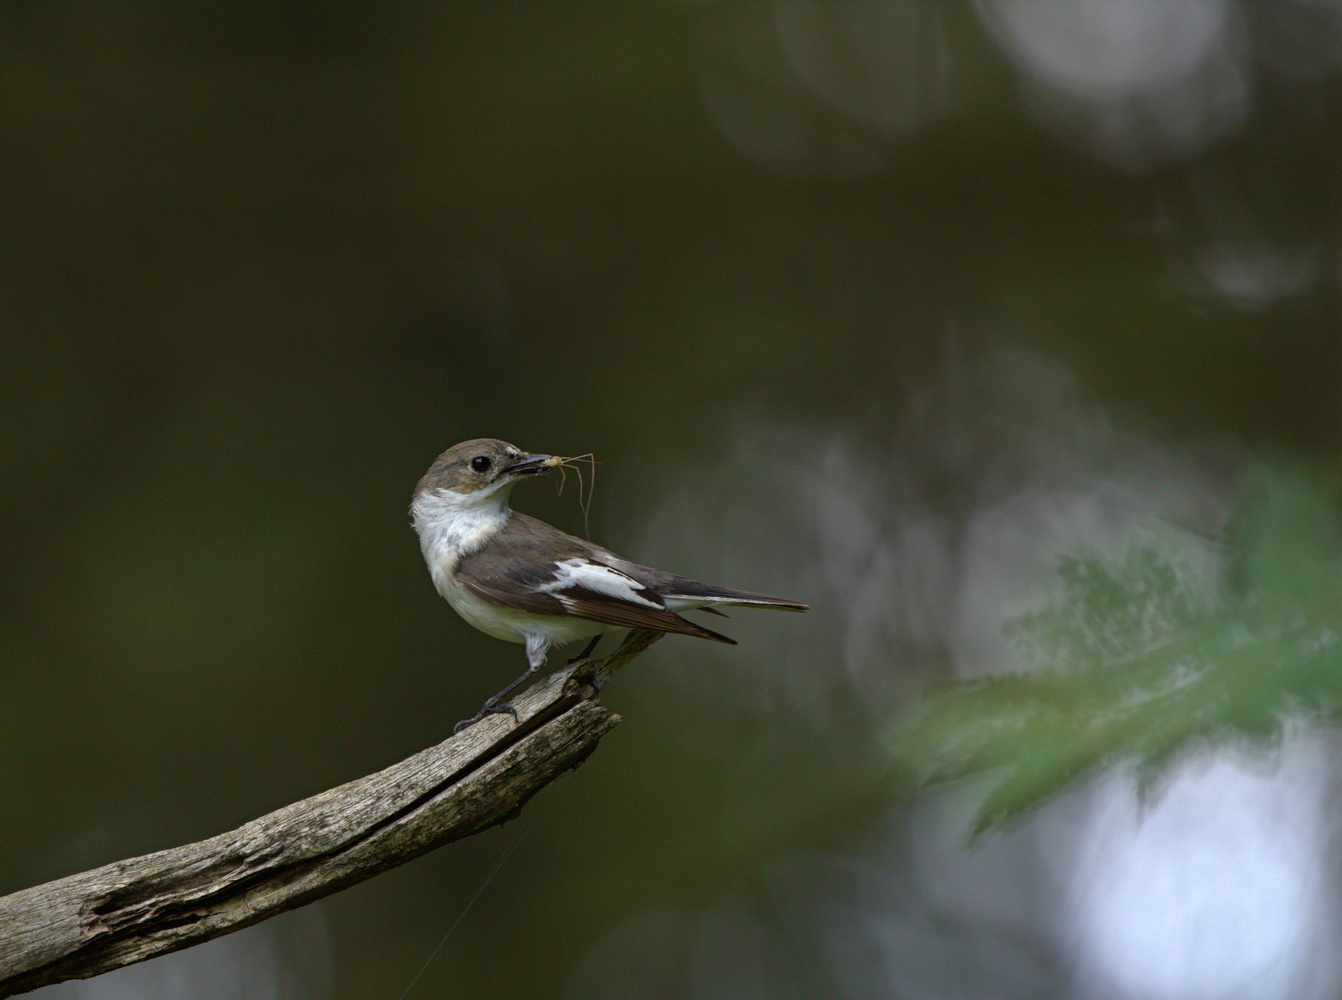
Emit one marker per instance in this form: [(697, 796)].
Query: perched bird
[(517, 578)]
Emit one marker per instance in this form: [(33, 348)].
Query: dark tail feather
[(744, 598), (694, 628)]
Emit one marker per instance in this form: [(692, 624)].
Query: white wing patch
[(599, 578)]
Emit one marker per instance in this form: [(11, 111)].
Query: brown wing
[(580, 602)]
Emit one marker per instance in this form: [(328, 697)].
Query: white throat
[(451, 525)]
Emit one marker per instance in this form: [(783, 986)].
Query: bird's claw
[(487, 709)]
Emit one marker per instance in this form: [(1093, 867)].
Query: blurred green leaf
[(1142, 656)]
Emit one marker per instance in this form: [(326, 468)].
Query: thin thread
[(478, 893)]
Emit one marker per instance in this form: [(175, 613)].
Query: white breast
[(452, 526)]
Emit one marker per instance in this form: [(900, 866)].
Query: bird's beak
[(530, 465)]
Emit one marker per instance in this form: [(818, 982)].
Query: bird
[(516, 578)]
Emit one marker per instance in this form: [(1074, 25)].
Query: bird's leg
[(536, 649), (586, 650)]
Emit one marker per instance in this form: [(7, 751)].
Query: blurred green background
[(261, 263)]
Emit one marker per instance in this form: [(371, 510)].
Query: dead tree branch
[(135, 909)]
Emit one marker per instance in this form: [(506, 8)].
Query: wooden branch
[(132, 910)]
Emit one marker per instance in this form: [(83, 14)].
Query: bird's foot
[(594, 676), (490, 707)]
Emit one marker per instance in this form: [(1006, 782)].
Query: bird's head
[(481, 473)]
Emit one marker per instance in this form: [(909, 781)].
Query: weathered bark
[(132, 910)]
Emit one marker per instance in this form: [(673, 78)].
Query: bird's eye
[(480, 463)]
